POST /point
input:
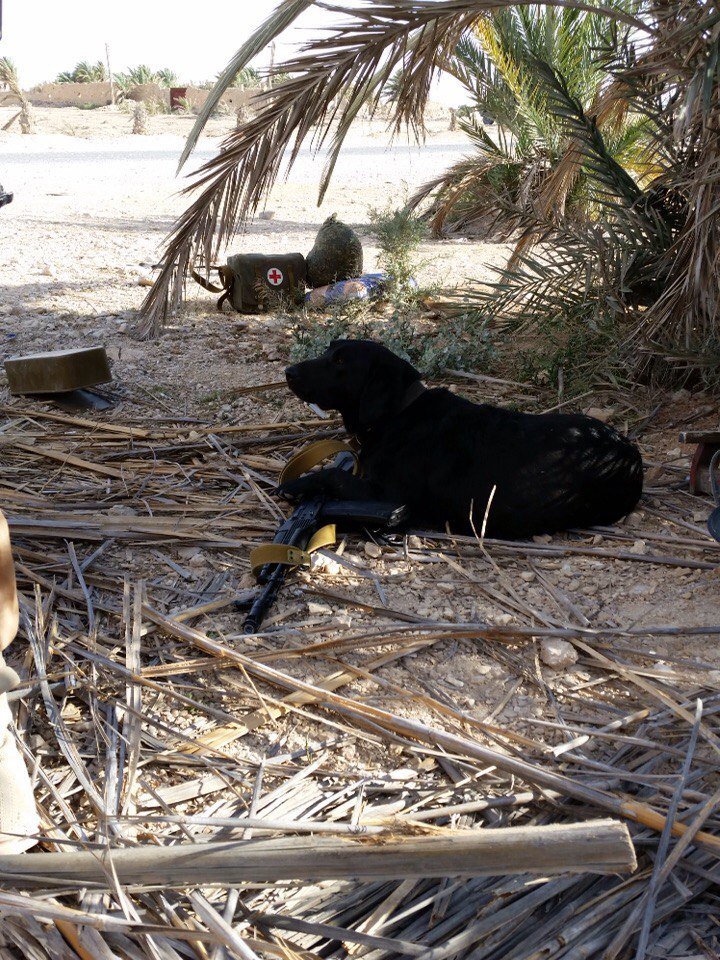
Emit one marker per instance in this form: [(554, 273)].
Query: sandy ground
[(92, 206)]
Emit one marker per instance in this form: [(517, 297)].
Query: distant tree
[(247, 77), (142, 74), (166, 78), (84, 72)]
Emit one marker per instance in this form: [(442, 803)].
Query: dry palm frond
[(329, 82), (177, 735), (286, 14), (9, 78), (684, 64)]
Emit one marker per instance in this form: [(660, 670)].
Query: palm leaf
[(329, 82), (275, 24), (9, 78)]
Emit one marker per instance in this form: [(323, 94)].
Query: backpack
[(336, 255), (251, 280)]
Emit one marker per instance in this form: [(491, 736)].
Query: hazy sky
[(195, 38)]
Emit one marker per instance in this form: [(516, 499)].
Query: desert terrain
[(92, 207), (438, 629)]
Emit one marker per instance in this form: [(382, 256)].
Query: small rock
[(603, 414), (557, 654), (46, 269), (545, 538), (414, 543), (403, 774), (121, 510), (342, 620), (660, 667), (640, 546), (318, 609), (372, 550), (197, 560), (8, 680), (145, 281), (454, 682), (527, 575), (326, 565)]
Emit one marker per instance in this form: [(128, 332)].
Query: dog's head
[(361, 379)]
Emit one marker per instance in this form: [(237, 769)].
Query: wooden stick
[(532, 773), (596, 846)]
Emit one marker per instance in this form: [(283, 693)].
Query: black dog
[(443, 456)]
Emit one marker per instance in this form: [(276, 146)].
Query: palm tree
[(166, 77), (142, 74), (9, 79), (669, 56), (247, 77), (500, 65), (640, 278), (84, 72)]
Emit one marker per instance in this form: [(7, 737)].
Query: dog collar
[(415, 390)]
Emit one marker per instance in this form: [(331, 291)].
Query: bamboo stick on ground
[(597, 846), (533, 773)]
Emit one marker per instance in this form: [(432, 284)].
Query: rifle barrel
[(264, 600)]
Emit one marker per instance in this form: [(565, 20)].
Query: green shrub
[(460, 343), (398, 234)]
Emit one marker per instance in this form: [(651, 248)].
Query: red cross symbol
[(275, 277)]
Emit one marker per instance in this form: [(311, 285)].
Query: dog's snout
[(291, 374)]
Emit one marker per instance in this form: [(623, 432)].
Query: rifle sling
[(312, 455), (281, 553), (285, 555)]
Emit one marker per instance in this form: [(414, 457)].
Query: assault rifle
[(295, 536)]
